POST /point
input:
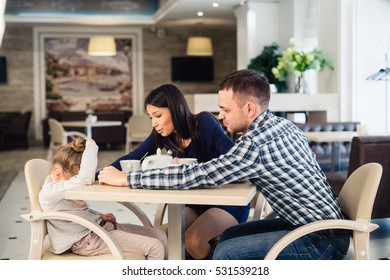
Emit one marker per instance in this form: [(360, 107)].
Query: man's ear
[(251, 109)]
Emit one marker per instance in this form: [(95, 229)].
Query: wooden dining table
[(238, 194)]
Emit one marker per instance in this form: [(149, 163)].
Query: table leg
[(335, 161), (176, 232), (89, 131)]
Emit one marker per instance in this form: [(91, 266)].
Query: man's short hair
[(248, 84)]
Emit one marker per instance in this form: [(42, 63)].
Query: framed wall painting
[(66, 78), (76, 81)]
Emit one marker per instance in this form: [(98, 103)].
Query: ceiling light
[(102, 46), (199, 46), (215, 5), (200, 14)]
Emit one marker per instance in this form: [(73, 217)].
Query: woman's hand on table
[(111, 176)]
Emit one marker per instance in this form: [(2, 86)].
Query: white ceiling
[(170, 12), (184, 12)]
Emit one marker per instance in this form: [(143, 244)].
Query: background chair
[(365, 149), (36, 171), (59, 136), (138, 129), (356, 200)]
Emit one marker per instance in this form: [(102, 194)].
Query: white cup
[(130, 165), (186, 160)]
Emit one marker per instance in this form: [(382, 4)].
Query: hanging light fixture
[(102, 46), (199, 46)]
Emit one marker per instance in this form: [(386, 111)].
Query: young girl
[(75, 165)]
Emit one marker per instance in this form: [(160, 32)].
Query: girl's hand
[(108, 217)]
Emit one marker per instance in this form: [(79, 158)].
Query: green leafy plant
[(298, 61), (264, 63)]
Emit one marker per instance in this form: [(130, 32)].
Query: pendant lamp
[(199, 46), (102, 46)]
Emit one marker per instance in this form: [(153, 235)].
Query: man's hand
[(111, 176)]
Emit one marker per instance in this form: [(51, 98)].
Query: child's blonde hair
[(69, 156)]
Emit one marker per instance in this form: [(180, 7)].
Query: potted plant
[(264, 63), (297, 62)]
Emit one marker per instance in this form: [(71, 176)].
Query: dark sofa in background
[(365, 149), (105, 137), (14, 128)]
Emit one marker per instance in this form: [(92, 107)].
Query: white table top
[(91, 124), (331, 136), (231, 194)]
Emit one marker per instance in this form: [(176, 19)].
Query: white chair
[(356, 200), (36, 171), (59, 136), (260, 208), (138, 129)]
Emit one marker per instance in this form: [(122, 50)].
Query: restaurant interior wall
[(371, 43), (361, 100), (17, 93), (352, 33)]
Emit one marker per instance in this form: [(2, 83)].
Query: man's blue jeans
[(253, 240)]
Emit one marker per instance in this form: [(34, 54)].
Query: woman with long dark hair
[(199, 136)]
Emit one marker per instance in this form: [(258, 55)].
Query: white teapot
[(156, 161)]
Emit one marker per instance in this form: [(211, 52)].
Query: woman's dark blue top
[(213, 143)]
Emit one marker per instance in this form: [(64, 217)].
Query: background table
[(88, 125), (231, 194), (334, 137)]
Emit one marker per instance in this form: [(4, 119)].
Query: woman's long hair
[(184, 122)]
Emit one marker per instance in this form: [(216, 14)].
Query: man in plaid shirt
[(275, 156)]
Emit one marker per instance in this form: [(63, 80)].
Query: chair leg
[(49, 154), (51, 151), (361, 245), (128, 147)]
